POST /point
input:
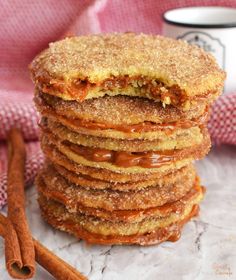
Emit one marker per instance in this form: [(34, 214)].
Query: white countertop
[(206, 250)]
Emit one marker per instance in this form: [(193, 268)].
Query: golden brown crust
[(183, 139), (89, 182), (119, 164), (169, 134), (169, 233), (77, 68), (145, 130), (54, 186), (183, 155), (117, 110), (55, 215), (128, 216)]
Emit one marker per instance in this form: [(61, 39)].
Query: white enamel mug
[(212, 28)]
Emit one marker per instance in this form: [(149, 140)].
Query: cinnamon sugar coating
[(117, 110), (94, 225), (183, 139), (93, 183), (176, 158), (73, 196), (163, 69), (171, 233), (123, 117)]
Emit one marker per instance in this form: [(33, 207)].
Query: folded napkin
[(26, 28)]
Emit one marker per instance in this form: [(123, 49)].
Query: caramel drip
[(175, 236), (170, 233), (124, 159)]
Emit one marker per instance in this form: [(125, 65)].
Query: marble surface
[(207, 249)]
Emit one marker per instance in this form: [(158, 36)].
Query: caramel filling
[(171, 232), (155, 88), (145, 126), (80, 88), (141, 127), (149, 159), (120, 215)]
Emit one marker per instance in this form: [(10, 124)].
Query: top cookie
[(159, 68)]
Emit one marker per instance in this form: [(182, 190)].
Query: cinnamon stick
[(53, 264), (19, 247)]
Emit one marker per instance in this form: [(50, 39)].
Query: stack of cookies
[(123, 118)]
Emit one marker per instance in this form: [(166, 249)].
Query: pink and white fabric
[(26, 27)]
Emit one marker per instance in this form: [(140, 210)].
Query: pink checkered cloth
[(27, 27)]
